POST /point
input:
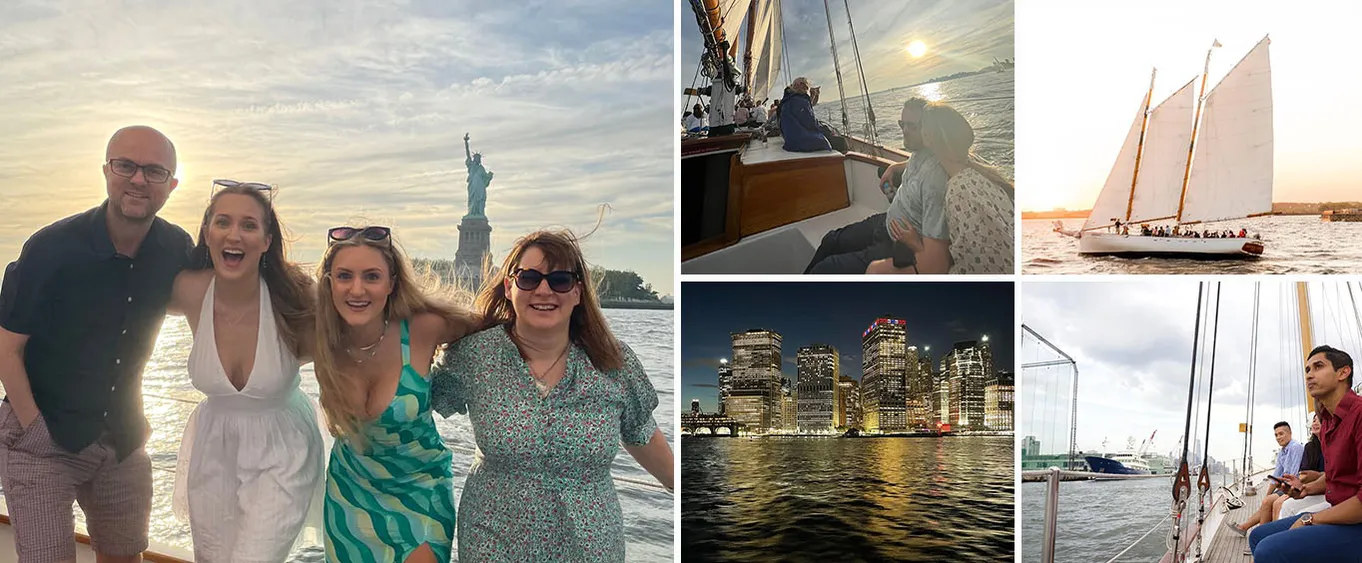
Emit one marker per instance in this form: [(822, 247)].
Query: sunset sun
[(917, 48)]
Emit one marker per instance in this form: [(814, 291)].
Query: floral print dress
[(980, 215), (540, 488)]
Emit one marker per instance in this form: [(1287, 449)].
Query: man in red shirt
[(1333, 534)]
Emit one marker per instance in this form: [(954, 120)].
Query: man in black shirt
[(79, 314)]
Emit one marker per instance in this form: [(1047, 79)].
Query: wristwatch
[(1308, 519)]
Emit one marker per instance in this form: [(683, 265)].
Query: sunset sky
[(1078, 87), (957, 36), (357, 110)]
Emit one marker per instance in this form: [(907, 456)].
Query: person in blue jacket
[(797, 124)]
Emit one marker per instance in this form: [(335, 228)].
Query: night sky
[(835, 313)]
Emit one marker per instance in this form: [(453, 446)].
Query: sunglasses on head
[(560, 281), (342, 234), (266, 189)]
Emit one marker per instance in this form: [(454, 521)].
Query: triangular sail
[(766, 48), (734, 13), (1164, 159), (1232, 164), (1115, 196)]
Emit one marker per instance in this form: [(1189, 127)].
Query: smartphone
[(1279, 480)]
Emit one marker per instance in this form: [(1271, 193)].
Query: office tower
[(998, 402), (848, 402), (965, 369), (884, 363), (817, 387), (755, 398)]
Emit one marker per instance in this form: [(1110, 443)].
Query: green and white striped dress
[(384, 502)]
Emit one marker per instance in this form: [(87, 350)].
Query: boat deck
[(1230, 547)]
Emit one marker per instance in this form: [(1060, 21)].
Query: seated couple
[(1306, 461), (1332, 530), (550, 393), (950, 214)]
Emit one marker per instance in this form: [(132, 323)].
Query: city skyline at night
[(935, 317)]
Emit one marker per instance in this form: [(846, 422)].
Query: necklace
[(371, 349), (540, 378)]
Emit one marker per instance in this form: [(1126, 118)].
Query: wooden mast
[(747, 50), (1144, 123), (1196, 122), (1307, 338)]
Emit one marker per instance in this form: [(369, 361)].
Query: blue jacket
[(798, 126)]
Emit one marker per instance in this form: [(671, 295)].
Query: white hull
[(1107, 243)]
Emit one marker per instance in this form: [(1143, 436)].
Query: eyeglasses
[(126, 168), (342, 234), (904, 124), (560, 281), (267, 189)]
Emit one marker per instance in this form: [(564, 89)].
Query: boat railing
[(647, 485)]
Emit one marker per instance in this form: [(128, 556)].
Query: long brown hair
[(586, 327), (289, 286), (950, 137), (410, 295)]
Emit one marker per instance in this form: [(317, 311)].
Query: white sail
[(1164, 158), (766, 48), (1232, 164), (734, 13), (1115, 196)]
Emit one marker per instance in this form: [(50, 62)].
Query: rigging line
[(865, 89), (837, 66), (1210, 386), (1137, 542), (1182, 483), (1252, 380), (1200, 377)]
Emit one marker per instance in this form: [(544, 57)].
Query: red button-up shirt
[(1341, 436)]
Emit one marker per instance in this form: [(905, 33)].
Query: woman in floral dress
[(551, 395)]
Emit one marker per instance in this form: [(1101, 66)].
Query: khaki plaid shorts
[(41, 480)]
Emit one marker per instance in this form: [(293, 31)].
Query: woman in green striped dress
[(389, 483)]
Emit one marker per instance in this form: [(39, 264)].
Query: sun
[(917, 48)]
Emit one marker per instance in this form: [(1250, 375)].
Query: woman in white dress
[(979, 200), (252, 457)]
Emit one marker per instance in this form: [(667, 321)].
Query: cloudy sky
[(1133, 344), (960, 35), (1079, 86), (357, 110)]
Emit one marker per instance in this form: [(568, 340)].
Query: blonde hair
[(800, 85), (410, 295), (949, 136), (586, 326)]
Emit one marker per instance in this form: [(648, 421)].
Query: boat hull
[(1111, 466), (1179, 247)]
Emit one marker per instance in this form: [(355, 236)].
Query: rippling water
[(991, 119), (1296, 244), (847, 500), (648, 512), (1097, 519)]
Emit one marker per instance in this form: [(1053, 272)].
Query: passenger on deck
[(798, 126), (1312, 468), (695, 120), (1335, 533), (741, 115), (757, 114), (1288, 463), (979, 205), (920, 200)]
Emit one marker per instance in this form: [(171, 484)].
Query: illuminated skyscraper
[(999, 401), (968, 368), (755, 398), (848, 402), (884, 385), (817, 387)]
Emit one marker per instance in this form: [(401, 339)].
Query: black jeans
[(851, 249)]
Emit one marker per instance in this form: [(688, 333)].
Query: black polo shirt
[(92, 317)]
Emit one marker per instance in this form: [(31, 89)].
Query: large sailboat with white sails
[(1187, 162)]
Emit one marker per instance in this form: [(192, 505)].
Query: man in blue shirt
[(1288, 463)]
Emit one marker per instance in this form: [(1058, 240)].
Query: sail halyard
[(837, 66), (1144, 124)]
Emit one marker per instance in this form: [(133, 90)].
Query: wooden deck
[(1229, 547)]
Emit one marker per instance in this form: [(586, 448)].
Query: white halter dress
[(251, 461)]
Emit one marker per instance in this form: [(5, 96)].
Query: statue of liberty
[(478, 180)]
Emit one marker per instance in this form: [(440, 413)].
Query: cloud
[(357, 109)]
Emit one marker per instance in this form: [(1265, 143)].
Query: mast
[(1148, 98), (1307, 338), (1196, 121), (747, 50), (837, 66)]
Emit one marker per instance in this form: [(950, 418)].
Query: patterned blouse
[(981, 219), (540, 487)]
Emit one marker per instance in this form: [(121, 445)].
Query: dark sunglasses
[(342, 234), (126, 168), (266, 189), (560, 281)]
